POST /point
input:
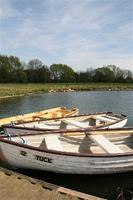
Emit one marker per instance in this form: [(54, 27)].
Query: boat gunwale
[(121, 116), (87, 131), (104, 155)]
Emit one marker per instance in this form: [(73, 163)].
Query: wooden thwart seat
[(42, 125), (75, 123), (105, 144), (51, 142), (102, 118), (100, 140)]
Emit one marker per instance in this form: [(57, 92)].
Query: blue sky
[(79, 33)]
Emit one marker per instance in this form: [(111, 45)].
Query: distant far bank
[(12, 90)]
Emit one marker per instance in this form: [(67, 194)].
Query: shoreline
[(8, 90), (66, 90)]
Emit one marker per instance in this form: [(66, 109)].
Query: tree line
[(12, 70)]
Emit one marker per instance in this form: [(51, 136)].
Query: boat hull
[(24, 128), (68, 163), (120, 124)]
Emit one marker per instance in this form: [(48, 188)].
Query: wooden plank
[(105, 144), (101, 118), (29, 115), (100, 140), (77, 194), (49, 113), (75, 123), (51, 142), (111, 131), (43, 125)]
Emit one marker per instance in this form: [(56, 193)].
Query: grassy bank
[(7, 90)]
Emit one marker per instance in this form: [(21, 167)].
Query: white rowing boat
[(100, 120), (82, 152)]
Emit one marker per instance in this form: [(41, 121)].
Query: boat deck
[(79, 144), (70, 123)]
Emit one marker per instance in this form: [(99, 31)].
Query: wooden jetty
[(15, 186)]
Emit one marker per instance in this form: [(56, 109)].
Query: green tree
[(11, 69), (86, 76), (37, 72), (104, 74), (35, 63), (43, 74), (118, 73), (128, 76), (32, 68), (62, 73), (18, 73), (5, 69)]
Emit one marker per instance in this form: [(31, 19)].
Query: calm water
[(87, 102), (117, 101)]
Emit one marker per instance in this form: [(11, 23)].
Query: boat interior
[(94, 142), (73, 122)]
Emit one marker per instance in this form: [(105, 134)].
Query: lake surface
[(87, 102), (95, 101)]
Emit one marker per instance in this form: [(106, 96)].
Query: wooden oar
[(97, 132)]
